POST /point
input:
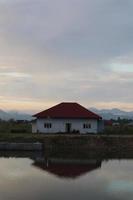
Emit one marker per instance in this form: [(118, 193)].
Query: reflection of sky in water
[(121, 186), (19, 179)]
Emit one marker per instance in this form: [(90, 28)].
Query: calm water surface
[(35, 178)]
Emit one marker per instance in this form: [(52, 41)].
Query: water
[(32, 176)]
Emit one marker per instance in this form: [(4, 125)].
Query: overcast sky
[(66, 50)]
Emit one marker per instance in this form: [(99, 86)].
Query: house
[(67, 118)]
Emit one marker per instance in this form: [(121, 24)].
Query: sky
[(54, 51)]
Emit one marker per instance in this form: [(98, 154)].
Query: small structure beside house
[(116, 124), (108, 123), (67, 118)]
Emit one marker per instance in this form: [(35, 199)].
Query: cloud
[(14, 75), (58, 50)]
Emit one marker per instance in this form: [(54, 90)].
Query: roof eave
[(48, 117)]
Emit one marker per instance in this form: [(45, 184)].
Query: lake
[(25, 175)]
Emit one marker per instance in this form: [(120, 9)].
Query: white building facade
[(71, 124)]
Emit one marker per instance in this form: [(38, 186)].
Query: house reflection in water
[(64, 168)]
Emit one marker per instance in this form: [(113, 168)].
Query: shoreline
[(68, 143), (13, 146)]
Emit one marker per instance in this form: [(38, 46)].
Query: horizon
[(48, 56), (32, 112)]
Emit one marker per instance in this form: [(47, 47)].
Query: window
[(47, 125), (86, 126)]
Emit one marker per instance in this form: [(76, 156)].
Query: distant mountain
[(105, 113), (14, 115), (113, 113)]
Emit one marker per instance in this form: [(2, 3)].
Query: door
[(68, 127)]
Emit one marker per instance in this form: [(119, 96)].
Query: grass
[(21, 137), (15, 127), (118, 130), (56, 138), (36, 137)]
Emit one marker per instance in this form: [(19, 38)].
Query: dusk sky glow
[(66, 50)]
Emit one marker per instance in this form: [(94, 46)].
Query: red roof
[(67, 110)]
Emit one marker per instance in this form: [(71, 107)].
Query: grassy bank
[(21, 137), (32, 137), (62, 144), (118, 130)]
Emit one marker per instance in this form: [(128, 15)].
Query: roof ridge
[(68, 110)]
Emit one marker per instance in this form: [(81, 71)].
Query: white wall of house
[(34, 127), (59, 125)]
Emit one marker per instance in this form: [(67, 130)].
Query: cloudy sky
[(66, 50)]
